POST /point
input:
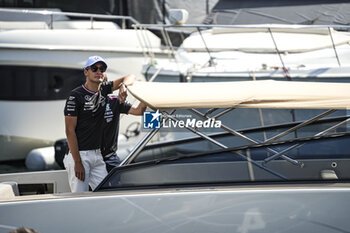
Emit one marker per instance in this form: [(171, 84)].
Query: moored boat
[(261, 185), (41, 62)]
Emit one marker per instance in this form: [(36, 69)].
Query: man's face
[(95, 73)]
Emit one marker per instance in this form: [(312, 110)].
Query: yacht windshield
[(312, 148)]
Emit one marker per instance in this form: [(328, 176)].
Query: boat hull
[(293, 208)]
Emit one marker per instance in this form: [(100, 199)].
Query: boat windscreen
[(323, 158)]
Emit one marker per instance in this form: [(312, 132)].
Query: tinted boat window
[(38, 83)]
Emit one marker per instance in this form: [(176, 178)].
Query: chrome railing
[(91, 17), (269, 28), (142, 37)]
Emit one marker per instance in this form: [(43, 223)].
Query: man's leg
[(98, 170), (112, 162), (75, 184)]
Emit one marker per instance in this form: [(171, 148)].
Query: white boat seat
[(8, 190)]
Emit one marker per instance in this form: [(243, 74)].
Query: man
[(83, 116), (110, 128)]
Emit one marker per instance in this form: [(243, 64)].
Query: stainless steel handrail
[(252, 26), (75, 14)]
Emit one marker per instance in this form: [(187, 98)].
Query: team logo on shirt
[(108, 113), (93, 102), (151, 120), (108, 107), (87, 97)]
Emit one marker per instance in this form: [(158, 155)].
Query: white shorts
[(95, 170)]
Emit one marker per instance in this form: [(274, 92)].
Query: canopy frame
[(262, 165)]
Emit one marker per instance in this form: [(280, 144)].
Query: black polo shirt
[(89, 107), (110, 126)]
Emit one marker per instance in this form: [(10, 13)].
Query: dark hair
[(23, 230), (105, 79)]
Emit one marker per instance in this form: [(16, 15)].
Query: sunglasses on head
[(95, 68)]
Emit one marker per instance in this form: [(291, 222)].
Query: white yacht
[(246, 40), (41, 62), (265, 51), (281, 184)]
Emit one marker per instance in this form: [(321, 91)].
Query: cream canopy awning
[(243, 94)]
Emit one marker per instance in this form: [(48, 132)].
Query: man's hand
[(79, 170), (122, 93)]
